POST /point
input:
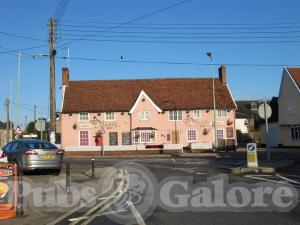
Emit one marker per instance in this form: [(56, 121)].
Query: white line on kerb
[(137, 215)]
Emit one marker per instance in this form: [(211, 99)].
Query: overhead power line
[(24, 49), (133, 20), (65, 31), (21, 36), (184, 28), (183, 24), (187, 37), (187, 42), (61, 10), (181, 63)]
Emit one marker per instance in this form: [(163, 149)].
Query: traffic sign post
[(265, 112), (40, 125), (252, 155)]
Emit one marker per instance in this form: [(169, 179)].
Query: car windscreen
[(39, 145)]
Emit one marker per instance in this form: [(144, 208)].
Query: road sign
[(40, 125), (252, 155), (18, 130), (8, 190), (261, 111)]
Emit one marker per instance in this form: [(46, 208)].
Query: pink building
[(130, 115)]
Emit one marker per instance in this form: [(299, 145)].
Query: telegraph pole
[(52, 78), (7, 120)]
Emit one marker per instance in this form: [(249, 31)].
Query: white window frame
[(169, 112), (198, 111), (80, 118), (105, 116), (187, 135), (142, 115), (88, 138), (224, 134), (152, 140), (220, 114)]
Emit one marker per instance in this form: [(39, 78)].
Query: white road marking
[(98, 214), (64, 216), (137, 215), (201, 173), (102, 206), (287, 179), (272, 181)]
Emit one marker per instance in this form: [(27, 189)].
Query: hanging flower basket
[(229, 122), (74, 126), (205, 131)]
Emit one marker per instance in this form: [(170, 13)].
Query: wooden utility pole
[(7, 120), (52, 76)]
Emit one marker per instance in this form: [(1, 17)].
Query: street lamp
[(175, 119)]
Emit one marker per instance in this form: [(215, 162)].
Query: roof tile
[(120, 95)]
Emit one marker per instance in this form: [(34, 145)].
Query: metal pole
[(176, 138), (10, 110), (93, 169), (68, 176), (25, 129), (68, 57), (20, 208), (7, 120), (19, 80), (214, 123), (267, 131)]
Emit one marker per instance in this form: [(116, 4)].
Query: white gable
[(144, 95)]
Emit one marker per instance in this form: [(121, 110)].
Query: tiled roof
[(295, 73), (120, 95)]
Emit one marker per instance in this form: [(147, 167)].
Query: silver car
[(34, 154)]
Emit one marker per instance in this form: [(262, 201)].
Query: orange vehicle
[(8, 190)]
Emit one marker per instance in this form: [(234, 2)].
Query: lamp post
[(215, 143), (175, 119)]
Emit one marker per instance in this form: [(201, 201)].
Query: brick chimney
[(65, 76), (222, 74)]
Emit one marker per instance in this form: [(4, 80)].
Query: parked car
[(34, 154)]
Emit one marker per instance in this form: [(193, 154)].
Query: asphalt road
[(200, 169)]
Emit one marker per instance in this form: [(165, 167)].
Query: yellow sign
[(251, 155)]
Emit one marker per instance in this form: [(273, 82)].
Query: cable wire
[(133, 20)]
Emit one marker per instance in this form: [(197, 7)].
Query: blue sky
[(29, 18)]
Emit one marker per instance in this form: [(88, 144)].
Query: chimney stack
[(222, 74), (65, 76)]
